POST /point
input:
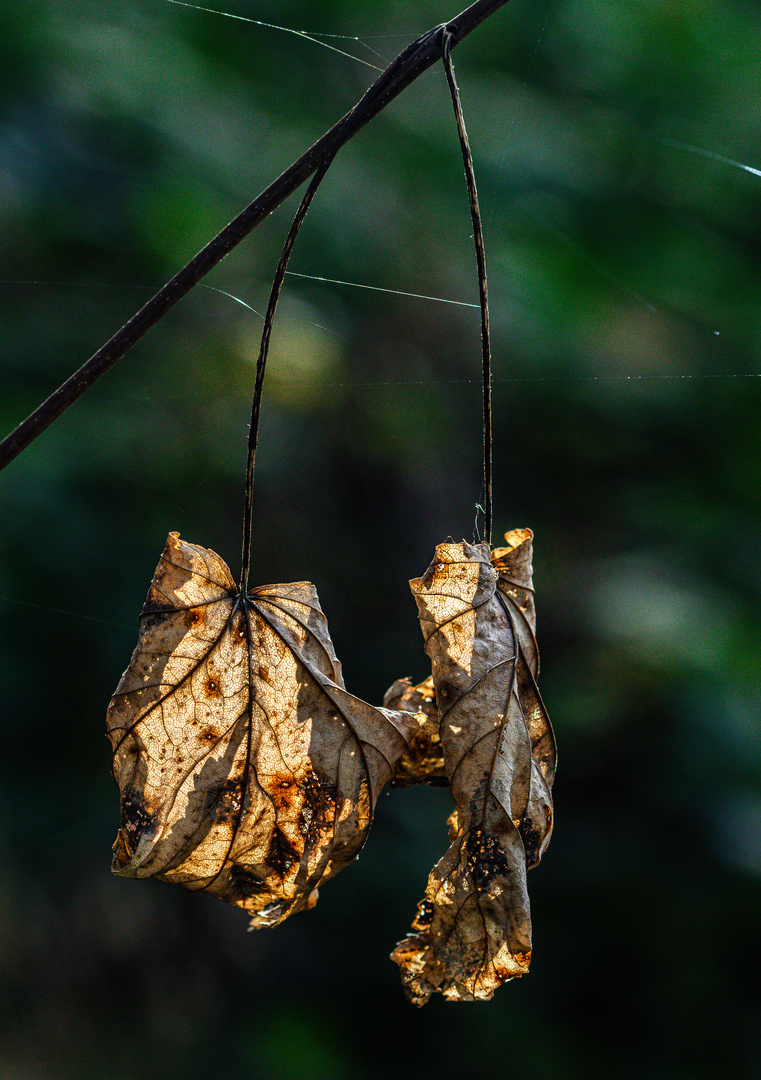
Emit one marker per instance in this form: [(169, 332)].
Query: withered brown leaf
[(473, 929), (514, 581), (245, 768), (423, 761)]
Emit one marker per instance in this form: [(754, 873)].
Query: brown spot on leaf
[(284, 791), (238, 627), (244, 884), (122, 854), (137, 820), (223, 802), (446, 695), (318, 807), (424, 915), (281, 854), (319, 794), (486, 859)]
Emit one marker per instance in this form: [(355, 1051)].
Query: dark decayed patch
[(282, 854), (136, 820), (243, 883)]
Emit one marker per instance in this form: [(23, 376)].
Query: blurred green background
[(625, 276)]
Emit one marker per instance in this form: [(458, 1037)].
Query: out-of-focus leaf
[(473, 928), (423, 761), (245, 768)]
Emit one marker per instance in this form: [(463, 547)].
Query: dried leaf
[(473, 929), (513, 566), (245, 768), (423, 761)]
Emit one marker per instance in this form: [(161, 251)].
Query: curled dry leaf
[(514, 581), (423, 761), (245, 768), (473, 929)]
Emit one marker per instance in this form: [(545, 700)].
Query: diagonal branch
[(409, 64)]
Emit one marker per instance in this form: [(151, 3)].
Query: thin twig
[(269, 318), (478, 238), (408, 66)]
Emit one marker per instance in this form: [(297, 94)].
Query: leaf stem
[(478, 238), (269, 318)]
